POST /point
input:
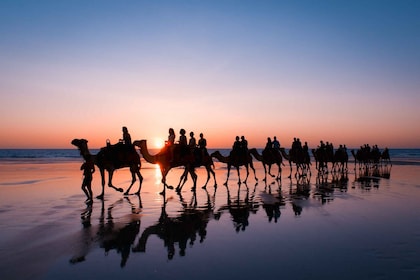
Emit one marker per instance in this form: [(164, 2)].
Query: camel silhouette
[(200, 160), (301, 160), (111, 158), (236, 161), (167, 161), (269, 157), (385, 158)]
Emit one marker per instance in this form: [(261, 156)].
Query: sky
[(347, 72)]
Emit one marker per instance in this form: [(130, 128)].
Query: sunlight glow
[(158, 143), (158, 174)]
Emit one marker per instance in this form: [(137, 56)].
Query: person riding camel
[(183, 142)]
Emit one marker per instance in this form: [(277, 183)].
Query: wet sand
[(337, 228)]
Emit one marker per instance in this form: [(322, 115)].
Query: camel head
[(81, 144), (140, 143), (215, 154)]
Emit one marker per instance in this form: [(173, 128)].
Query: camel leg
[(134, 172), (265, 173), (290, 164), (269, 171), (239, 175), (279, 173), (110, 174), (194, 178), (133, 180), (253, 169), (141, 181), (101, 196), (183, 179), (164, 173), (227, 175), (208, 169)]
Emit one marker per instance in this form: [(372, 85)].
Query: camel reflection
[(367, 178), (300, 194), (182, 229), (240, 209), (271, 202), (110, 233)]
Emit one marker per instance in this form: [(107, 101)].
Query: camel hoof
[(193, 189), (120, 189), (204, 187), (225, 184), (170, 187), (162, 193), (100, 196)]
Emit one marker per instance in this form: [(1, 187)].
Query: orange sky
[(326, 72)]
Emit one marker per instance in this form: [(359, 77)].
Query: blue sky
[(339, 71)]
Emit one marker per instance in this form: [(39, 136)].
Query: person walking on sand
[(88, 169)]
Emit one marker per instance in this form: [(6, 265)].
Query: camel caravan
[(191, 155)]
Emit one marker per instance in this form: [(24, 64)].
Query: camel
[(236, 162), (299, 158), (201, 159), (163, 158), (341, 158), (269, 157), (322, 158), (385, 156), (111, 158)]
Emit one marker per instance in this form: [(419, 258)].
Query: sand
[(331, 229)]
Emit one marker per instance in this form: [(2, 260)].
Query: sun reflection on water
[(158, 174)]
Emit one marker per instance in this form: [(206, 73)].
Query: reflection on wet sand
[(370, 177), (178, 231), (181, 229), (240, 208), (108, 234)]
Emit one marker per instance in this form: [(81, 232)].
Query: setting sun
[(158, 143)]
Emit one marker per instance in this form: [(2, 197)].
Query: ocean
[(398, 156)]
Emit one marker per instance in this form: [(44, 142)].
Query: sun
[(159, 143)]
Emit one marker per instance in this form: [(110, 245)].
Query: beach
[(347, 225)]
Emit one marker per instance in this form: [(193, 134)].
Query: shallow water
[(336, 227)]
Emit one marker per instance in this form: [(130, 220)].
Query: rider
[(183, 141), (269, 144), (169, 144), (202, 145), (192, 143), (276, 143), (244, 147)]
